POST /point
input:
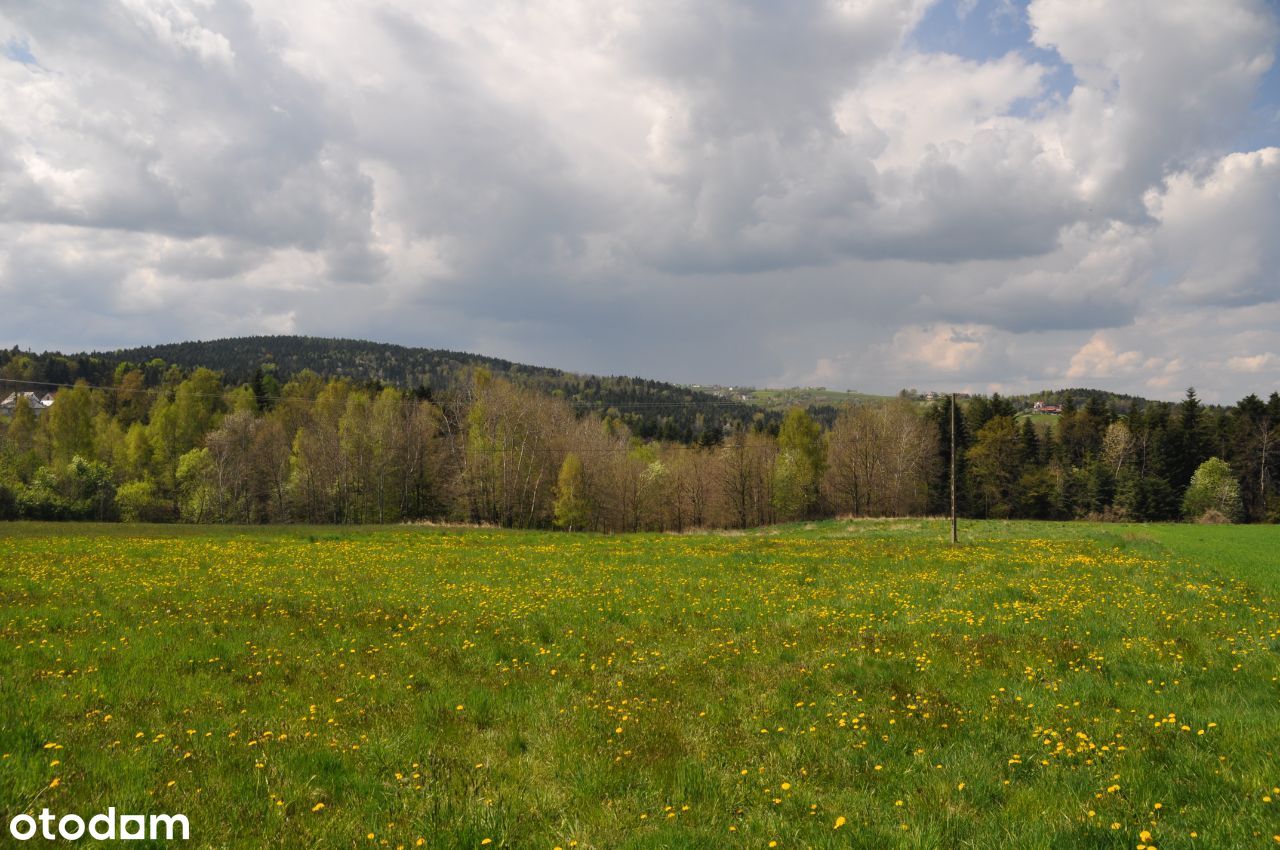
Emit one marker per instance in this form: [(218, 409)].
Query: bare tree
[(878, 459), (746, 478), (513, 451)]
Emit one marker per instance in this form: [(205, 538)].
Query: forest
[(650, 409), (160, 442)]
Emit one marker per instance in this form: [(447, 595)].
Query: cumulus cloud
[(1218, 227), (720, 191), (1253, 364), (941, 348), (1098, 358)]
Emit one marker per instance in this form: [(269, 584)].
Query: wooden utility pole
[(954, 536)]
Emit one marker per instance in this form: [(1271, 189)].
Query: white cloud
[(1253, 364), (941, 348), (1098, 358), (623, 187), (1218, 229)]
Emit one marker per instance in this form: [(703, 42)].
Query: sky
[(980, 195)]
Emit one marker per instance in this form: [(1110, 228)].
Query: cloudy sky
[(870, 194)]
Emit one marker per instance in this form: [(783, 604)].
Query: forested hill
[(652, 409), (397, 365), (1119, 403)]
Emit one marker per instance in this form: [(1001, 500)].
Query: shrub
[(138, 501), (1213, 517), (43, 499), (1213, 488), (8, 503)]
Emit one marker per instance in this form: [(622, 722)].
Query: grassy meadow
[(844, 684)]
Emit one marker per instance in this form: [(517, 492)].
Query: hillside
[(651, 409), (1120, 403)]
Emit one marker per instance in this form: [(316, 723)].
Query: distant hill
[(238, 358), (652, 409), (789, 397), (1120, 403)]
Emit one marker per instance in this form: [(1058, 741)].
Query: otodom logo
[(100, 827)]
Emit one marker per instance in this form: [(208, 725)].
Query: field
[(1042, 421), (846, 684), (785, 399)]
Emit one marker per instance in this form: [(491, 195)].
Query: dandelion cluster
[(852, 686)]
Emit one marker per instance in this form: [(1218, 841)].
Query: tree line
[(652, 410), (1093, 463), (188, 445)]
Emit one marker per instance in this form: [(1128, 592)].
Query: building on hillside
[(1041, 407), (38, 403)]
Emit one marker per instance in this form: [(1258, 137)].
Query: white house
[(38, 403)]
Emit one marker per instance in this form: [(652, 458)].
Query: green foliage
[(571, 507), (354, 450), (195, 488), (800, 434), (89, 488), (1213, 488), (1145, 498), (138, 501), (8, 502), (801, 461), (42, 498), (792, 486), (1035, 493), (71, 424), (21, 431), (650, 409), (992, 464)]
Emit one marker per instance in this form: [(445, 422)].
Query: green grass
[(784, 399), (1042, 421), (1064, 685)]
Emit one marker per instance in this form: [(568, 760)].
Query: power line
[(456, 403)]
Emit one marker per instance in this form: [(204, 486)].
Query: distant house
[(1041, 407), (38, 403)]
